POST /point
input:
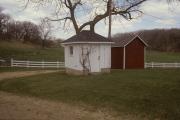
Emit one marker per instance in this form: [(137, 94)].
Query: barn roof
[(87, 37), (125, 39)]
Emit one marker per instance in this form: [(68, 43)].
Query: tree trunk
[(43, 43)]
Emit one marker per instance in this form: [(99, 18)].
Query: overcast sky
[(157, 14)]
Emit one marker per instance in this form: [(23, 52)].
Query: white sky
[(158, 14)]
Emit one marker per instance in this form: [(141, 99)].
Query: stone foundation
[(73, 71), (105, 70), (79, 72)]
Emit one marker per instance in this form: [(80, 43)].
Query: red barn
[(128, 53)]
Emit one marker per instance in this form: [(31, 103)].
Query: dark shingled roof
[(125, 39), (87, 36)]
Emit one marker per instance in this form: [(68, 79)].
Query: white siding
[(105, 56), (95, 58), (100, 56), (72, 61)]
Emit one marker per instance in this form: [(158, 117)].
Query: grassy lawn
[(15, 69), (150, 93), (9, 69), (155, 56), (22, 51)]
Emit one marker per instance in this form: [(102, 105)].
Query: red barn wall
[(117, 57), (135, 55)]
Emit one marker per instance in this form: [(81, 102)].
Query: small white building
[(87, 52)]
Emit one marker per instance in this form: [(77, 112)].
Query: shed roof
[(125, 39), (87, 37)]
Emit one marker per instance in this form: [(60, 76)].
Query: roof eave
[(134, 39), (67, 43)]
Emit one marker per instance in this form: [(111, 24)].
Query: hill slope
[(22, 51), (159, 39)]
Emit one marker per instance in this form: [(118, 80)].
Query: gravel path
[(8, 75)]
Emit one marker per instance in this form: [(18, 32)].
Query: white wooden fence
[(57, 64), (162, 65), (36, 64)]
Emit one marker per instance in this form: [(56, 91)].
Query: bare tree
[(30, 32), (85, 59), (170, 1), (67, 10), (10, 30), (45, 29), (4, 20), (19, 31)]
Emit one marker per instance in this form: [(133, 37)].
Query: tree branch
[(115, 11), (76, 4), (65, 18)]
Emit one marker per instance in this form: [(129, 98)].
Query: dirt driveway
[(7, 75), (14, 107)]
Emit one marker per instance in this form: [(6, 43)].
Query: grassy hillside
[(31, 52), (155, 56), (152, 94), (22, 51), (158, 39)]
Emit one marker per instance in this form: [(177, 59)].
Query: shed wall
[(72, 61), (135, 55), (100, 56), (117, 57)]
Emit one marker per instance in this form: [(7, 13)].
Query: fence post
[(164, 65), (11, 62), (145, 65), (57, 64), (27, 63), (42, 64)]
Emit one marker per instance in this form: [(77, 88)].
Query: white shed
[(87, 52)]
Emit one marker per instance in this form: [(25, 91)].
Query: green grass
[(15, 69), (155, 56), (151, 93), (22, 51), (9, 69)]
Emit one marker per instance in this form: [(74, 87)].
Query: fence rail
[(162, 65), (58, 64), (36, 64)]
